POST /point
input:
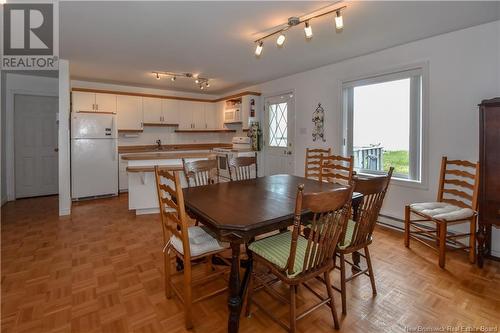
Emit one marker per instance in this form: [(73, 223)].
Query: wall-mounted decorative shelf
[(233, 123), (205, 131), (160, 125), (130, 131)]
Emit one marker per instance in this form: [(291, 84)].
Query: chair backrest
[(330, 211), (201, 172), (173, 213), (373, 190), (336, 169), (459, 183), (313, 163), (240, 168)]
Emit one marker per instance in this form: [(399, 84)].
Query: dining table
[(238, 211)]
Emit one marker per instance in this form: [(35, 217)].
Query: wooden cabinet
[(129, 112), (489, 183), (152, 110), (91, 102)]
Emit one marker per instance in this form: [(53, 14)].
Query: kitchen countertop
[(165, 156), (173, 147)]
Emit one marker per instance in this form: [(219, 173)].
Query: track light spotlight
[(339, 21), (172, 78), (258, 49), (157, 76), (281, 40), (207, 84), (308, 30)]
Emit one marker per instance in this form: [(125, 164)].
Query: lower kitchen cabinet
[(122, 175)]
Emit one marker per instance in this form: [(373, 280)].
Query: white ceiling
[(122, 42)]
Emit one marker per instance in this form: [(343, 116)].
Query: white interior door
[(35, 145), (279, 132)]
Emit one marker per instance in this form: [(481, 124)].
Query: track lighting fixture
[(308, 30), (293, 21), (280, 40), (258, 48), (339, 21), (200, 81)]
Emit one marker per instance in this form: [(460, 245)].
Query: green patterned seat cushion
[(276, 249), (349, 233)]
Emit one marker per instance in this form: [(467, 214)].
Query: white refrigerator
[(94, 155)]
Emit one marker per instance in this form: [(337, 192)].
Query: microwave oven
[(232, 115)]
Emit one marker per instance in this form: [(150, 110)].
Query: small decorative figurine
[(319, 123)]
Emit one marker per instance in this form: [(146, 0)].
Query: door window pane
[(278, 125)]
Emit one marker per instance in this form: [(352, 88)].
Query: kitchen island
[(142, 195)]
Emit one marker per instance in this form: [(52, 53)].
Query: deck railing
[(369, 158)]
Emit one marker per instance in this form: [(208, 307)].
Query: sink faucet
[(158, 142)]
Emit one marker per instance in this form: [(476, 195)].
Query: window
[(382, 124), (278, 125)]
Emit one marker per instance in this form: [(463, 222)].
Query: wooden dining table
[(237, 212)]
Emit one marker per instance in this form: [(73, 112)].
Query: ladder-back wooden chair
[(456, 204), (295, 259), (336, 169), (201, 172), (240, 168), (186, 243), (313, 163), (358, 234)]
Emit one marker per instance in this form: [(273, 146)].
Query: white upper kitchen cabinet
[(105, 102), (152, 110), (170, 111), (211, 119), (92, 102), (83, 101), (186, 114), (129, 112), (199, 115)]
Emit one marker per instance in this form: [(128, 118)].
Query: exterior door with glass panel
[(279, 127)]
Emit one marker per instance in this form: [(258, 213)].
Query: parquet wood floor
[(100, 270)]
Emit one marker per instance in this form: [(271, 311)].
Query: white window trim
[(369, 78)]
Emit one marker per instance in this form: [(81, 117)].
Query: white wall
[(463, 70), (165, 134), (64, 139), (20, 84)]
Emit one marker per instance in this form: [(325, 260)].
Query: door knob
[(289, 152), (56, 150)]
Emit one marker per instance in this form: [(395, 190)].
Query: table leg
[(234, 301)]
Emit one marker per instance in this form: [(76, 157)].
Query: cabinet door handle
[(97, 107), (93, 106)]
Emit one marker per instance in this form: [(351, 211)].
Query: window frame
[(418, 75)]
